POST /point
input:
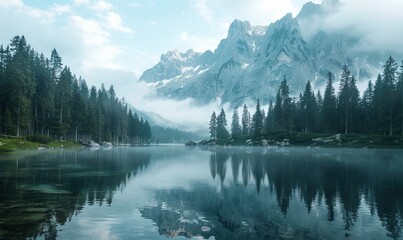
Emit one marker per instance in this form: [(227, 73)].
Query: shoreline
[(314, 140), (9, 145)]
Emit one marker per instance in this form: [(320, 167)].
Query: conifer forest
[(41, 96)]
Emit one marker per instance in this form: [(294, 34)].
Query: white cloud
[(377, 24), (101, 6), (92, 32), (202, 6), (199, 43), (258, 12), (185, 112), (11, 3), (114, 22)]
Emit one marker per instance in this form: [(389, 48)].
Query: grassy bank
[(12, 144)]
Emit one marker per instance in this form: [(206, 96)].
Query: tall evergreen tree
[(283, 106), (344, 106), (20, 83), (319, 112), (378, 103), (257, 121), (399, 95), (269, 120), (309, 107), (389, 81), (329, 106), (354, 101), (236, 129), (222, 132), (213, 126), (245, 120), (367, 109)]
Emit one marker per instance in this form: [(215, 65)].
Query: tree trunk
[(61, 109), (99, 128), (18, 118), (36, 115), (391, 123), (1, 118), (76, 135), (346, 127)]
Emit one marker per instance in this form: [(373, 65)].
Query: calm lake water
[(215, 193)]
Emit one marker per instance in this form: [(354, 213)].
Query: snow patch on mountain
[(252, 60)]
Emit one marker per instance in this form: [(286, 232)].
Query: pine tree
[(379, 94), (344, 98), (55, 65), (318, 112), (269, 120), (63, 98), (283, 106), (245, 121), (389, 81), (257, 121), (236, 129), (309, 107), (354, 101), (222, 132), (367, 109), (213, 126), (41, 96), (20, 83), (399, 94), (147, 132), (329, 106)]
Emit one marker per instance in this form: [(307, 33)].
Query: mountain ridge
[(251, 61)]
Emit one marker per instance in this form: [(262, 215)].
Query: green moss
[(64, 144), (13, 144)]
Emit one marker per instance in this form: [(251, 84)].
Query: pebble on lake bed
[(205, 228)]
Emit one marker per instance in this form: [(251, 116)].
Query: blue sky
[(129, 35)]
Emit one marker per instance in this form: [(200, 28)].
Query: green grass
[(14, 144), (64, 144)]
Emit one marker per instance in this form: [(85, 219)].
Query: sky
[(113, 42)]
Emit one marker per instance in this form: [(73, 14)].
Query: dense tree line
[(378, 111), (41, 96)]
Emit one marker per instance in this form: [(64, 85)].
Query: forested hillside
[(378, 111), (42, 96)]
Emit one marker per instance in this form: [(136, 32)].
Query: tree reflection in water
[(344, 183), (41, 191)]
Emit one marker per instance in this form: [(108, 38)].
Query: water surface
[(215, 193)]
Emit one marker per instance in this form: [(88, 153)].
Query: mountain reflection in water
[(221, 193), (348, 190)]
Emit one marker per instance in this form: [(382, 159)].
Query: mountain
[(166, 131), (252, 60)]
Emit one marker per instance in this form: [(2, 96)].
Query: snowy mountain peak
[(239, 27), (309, 9), (178, 56), (252, 60)]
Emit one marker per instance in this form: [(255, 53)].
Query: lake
[(157, 192)]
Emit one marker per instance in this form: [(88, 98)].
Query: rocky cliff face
[(252, 60)]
